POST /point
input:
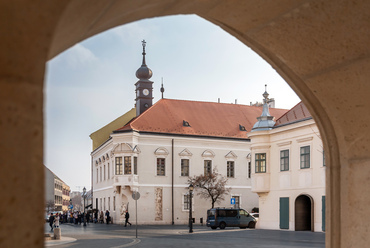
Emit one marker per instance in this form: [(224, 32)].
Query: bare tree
[(76, 202), (212, 185), (50, 206)]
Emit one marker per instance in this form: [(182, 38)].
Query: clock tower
[(144, 87)]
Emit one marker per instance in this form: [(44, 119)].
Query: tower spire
[(143, 42), (144, 87), (162, 89), (265, 121)]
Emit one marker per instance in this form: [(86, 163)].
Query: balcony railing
[(126, 180)]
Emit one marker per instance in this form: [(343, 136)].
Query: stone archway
[(303, 213), (319, 47)]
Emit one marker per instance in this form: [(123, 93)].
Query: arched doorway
[(303, 217)]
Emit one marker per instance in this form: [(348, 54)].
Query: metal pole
[(84, 210), (136, 215), (190, 212)]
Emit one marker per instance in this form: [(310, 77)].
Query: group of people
[(78, 218)]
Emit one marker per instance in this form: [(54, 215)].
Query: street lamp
[(84, 194), (191, 188)]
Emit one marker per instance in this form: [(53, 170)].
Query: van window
[(231, 213), (221, 213), (211, 213), (244, 213)]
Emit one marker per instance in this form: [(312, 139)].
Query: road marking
[(134, 242), (215, 231)]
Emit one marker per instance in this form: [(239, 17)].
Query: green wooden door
[(284, 213), (323, 212)]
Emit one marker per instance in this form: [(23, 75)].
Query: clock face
[(145, 92)]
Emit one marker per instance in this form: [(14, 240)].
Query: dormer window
[(242, 128), (185, 123)]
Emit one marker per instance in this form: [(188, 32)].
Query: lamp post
[(84, 195), (191, 188)]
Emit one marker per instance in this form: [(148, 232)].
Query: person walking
[(87, 217), (96, 216), (127, 216), (56, 221), (101, 217), (51, 221), (107, 216)]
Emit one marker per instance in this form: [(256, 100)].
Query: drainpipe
[(92, 180), (173, 214)]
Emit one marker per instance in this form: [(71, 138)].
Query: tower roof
[(265, 121), (144, 73)]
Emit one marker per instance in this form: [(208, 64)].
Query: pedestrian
[(79, 217), (75, 217), (96, 216), (88, 217), (56, 221), (107, 215), (101, 217), (127, 216), (51, 221)]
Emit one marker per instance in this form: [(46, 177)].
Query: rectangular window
[(249, 169), (127, 165), (207, 167), (97, 175), (101, 202), (230, 168), (284, 160), (161, 166), (108, 203), (186, 202), (184, 167), (305, 157), (100, 174), (104, 205), (114, 203), (118, 165), (260, 162), (96, 202), (135, 165), (108, 171), (104, 172)]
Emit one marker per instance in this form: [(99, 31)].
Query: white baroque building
[(288, 171), (154, 149)]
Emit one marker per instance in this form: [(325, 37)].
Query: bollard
[(57, 233)]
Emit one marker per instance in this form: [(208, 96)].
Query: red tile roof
[(205, 118), (297, 113)]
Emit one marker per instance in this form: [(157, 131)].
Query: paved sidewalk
[(62, 241)]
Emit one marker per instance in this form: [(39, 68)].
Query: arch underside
[(319, 47)]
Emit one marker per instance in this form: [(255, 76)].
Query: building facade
[(66, 190), (56, 192), (156, 151), (288, 172)]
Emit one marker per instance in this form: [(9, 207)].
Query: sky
[(92, 83)]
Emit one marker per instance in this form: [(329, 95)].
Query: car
[(255, 215), (230, 217)]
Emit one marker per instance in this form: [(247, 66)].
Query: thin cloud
[(76, 56)]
